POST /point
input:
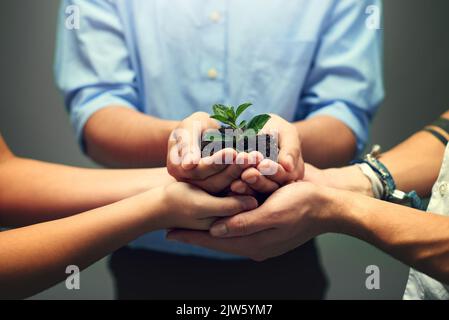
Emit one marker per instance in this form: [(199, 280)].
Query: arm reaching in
[(34, 191), (414, 165), (298, 212), (122, 137), (35, 257)]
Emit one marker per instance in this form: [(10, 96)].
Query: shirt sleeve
[(93, 67), (346, 80)]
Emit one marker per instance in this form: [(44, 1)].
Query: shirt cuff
[(356, 119), (82, 112)]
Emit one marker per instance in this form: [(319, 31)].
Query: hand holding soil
[(218, 158)]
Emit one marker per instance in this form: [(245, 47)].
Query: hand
[(290, 166), (221, 181), (213, 174), (186, 206), (184, 149), (290, 217), (348, 178)]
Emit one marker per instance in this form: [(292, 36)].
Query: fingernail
[(252, 180), (219, 230)]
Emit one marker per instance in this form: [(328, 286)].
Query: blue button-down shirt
[(298, 59)]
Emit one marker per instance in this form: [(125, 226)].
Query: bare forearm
[(320, 146), (119, 137), (33, 191), (419, 239), (35, 257), (415, 163)]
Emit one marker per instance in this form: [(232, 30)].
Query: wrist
[(335, 210), (171, 125), (325, 212), (156, 209), (350, 178), (170, 205)]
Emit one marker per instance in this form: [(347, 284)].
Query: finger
[(264, 185), (289, 149), (190, 160), (280, 175), (174, 157), (254, 246), (223, 180), (204, 239), (258, 182), (227, 206), (246, 160), (240, 187), (242, 224), (190, 142), (214, 164), (204, 224)]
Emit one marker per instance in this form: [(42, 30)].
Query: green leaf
[(220, 110), (242, 109), (258, 122), (231, 114), (234, 114), (221, 118), (225, 120), (242, 124)]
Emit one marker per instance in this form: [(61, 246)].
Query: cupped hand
[(268, 175), (290, 157), (220, 182), (189, 207), (214, 173), (290, 217), (184, 148)]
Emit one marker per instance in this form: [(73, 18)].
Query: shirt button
[(215, 16), (212, 73), (443, 189)]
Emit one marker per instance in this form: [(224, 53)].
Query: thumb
[(191, 151), (242, 224), (228, 206), (289, 149)]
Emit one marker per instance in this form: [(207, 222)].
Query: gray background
[(34, 123)]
